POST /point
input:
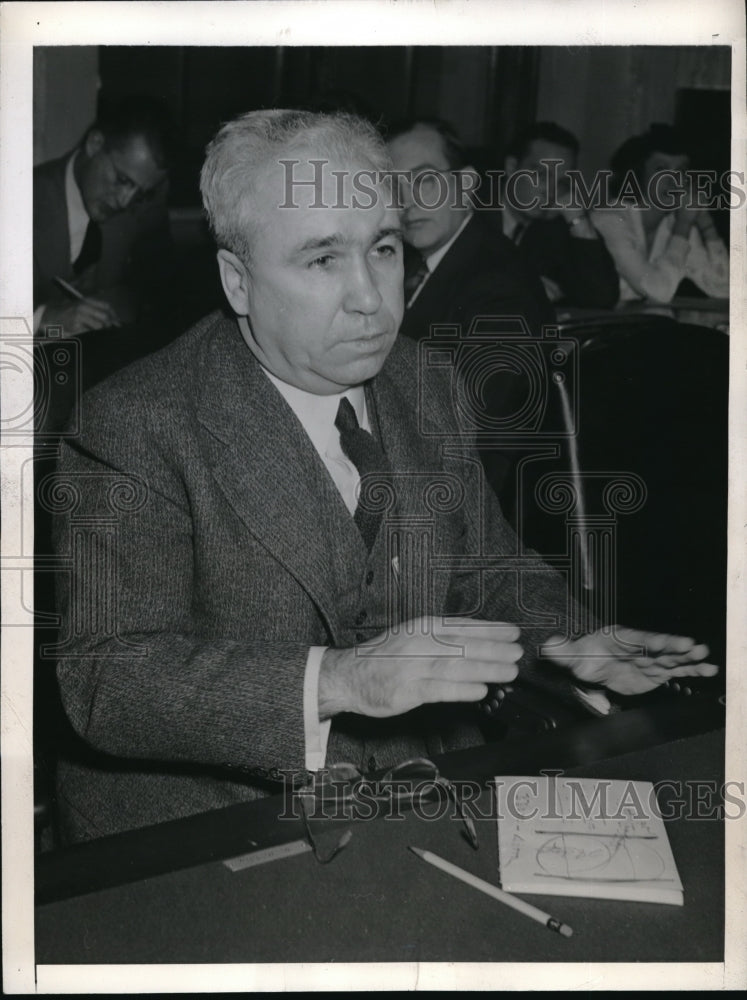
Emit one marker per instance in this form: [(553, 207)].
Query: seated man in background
[(101, 236), (260, 611), (555, 237), (460, 272), (457, 267)]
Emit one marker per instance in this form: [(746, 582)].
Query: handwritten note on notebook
[(584, 837)]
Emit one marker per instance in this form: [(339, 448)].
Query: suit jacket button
[(361, 617), (369, 577), (360, 636)]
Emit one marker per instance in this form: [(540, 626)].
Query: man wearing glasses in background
[(101, 237)]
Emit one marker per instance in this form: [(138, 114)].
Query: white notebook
[(584, 837)]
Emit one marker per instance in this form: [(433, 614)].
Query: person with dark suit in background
[(457, 267), (101, 235), (263, 596), (462, 274), (554, 235)]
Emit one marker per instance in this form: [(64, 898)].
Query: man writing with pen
[(101, 238)]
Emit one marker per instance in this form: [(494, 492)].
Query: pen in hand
[(492, 890), (80, 314), (69, 289)]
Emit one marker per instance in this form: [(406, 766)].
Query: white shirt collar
[(77, 217), (317, 413)]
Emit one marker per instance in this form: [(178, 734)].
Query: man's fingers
[(673, 644), (97, 314), (673, 659), (658, 642), (694, 670), (425, 638), (449, 691), (703, 670), (681, 670), (451, 628), (698, 652), (462, 671), (490, 652), (91, 317)]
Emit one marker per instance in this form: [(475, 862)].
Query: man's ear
[(235, 281), (94, 142)]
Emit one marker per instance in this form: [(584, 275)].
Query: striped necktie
[(372, 465), (416, 275)]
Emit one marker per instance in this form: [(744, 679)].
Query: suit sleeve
[(509, 295), (582, 267), (513, 584), (137, 676)]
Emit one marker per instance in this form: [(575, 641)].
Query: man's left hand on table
[(629, 661)]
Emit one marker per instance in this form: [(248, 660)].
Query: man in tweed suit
[(225, 615)]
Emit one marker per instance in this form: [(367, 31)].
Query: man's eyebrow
[(426, 167), (123, 174), (386, 232), (338, 240), (321, 243)]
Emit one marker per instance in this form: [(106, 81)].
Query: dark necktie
[(90, 252), (414, 278), (372, 464)]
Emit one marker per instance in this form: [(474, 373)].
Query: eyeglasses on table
[(345, 785)]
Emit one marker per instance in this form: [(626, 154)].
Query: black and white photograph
[(373, 495)]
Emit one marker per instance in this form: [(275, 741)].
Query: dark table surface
[(164, 895), (685, 309)]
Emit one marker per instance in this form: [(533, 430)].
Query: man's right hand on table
[(425, 660)]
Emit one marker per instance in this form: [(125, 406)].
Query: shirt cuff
[(316, 733)]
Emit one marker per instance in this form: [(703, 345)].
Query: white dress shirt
[(510, 223), (656, 273), (317, 417), (77, 217)]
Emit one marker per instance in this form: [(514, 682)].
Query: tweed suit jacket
[(134, 244), (209, 548)]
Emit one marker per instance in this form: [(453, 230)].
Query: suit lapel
[(414, 452), (435, 297), (407, 449), (273, 477), (52, 231)]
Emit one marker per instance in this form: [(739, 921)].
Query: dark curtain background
[(486, 92)]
